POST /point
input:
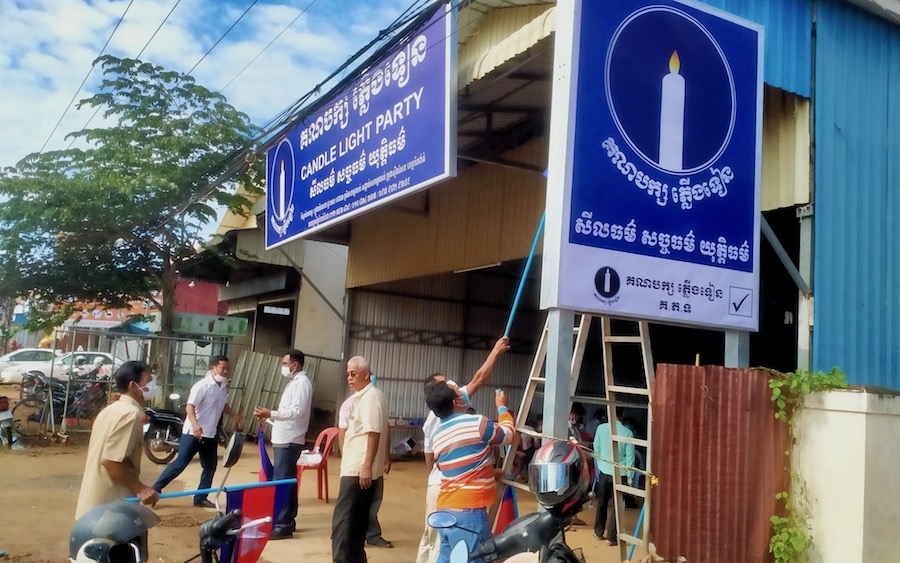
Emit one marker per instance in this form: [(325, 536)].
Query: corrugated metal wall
[(786, 150), (471, 305), (486, 215), (718, 453), (788, 43), (857, 132)]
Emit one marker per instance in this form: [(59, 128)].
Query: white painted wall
[(847, 446)]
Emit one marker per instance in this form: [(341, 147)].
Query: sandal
[(380, 542)]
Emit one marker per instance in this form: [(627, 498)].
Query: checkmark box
[(740, 301)]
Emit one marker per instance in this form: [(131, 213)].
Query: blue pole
[(226, 489), (515, 305), (637, 530)]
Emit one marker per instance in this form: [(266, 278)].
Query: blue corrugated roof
[(788, 39), (857, 175)]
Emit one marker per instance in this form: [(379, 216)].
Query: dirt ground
[(39, 488)]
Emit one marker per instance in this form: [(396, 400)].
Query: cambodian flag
[(255, 503), (509, 510)]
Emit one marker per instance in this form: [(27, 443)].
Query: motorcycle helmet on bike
[(111, 533), (560, 476)]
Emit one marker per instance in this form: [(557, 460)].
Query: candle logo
[(672, 99), (280, 187), (607, 283)]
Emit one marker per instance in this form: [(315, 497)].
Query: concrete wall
[(847, 445)]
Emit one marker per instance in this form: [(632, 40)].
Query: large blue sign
[(662, 202), (384, 136)]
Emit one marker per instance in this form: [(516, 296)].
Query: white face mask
[(151, 391), (285, 371), (220, 378)]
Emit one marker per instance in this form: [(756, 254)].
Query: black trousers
[(285, 463), (350, 520), (604, 492), (373, 528)]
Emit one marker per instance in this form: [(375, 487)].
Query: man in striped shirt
[(462, 450)]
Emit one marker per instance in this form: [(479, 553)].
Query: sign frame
[(573, 270), (361, 192)]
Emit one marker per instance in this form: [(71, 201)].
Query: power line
[(144, 48), (308, 6), (105, 45), (223, 37)]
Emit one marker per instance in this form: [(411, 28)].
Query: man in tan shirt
[(113, 467), (362, 465)]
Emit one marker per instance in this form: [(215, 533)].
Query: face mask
[(151, 391), (285, 371), (466, 398), (219, 378)]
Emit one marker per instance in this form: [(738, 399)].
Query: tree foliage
[(111, 222)]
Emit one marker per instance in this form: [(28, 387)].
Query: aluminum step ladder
[(615, 394)]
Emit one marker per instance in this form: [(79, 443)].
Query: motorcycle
[(5, 422), (562, 487), (162, 432)]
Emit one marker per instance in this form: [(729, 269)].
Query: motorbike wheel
[(31, 417), (155, 435)]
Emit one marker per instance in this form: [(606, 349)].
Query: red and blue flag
[(509, 510)]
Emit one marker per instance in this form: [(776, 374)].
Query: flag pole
[(515, 306), (228, 489)]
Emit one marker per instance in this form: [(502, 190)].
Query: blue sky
[(47, 46)]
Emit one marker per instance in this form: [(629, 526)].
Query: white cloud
[(47, 47)]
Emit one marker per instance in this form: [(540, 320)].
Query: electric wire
[(264, 49), (216, 44), (144, 48), (105, 45)]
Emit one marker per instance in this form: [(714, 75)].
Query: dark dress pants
[(187, 449), (350, 520), (286, 468), (604, 492)]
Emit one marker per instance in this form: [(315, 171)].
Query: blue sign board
[(384, 136), (660, 168)]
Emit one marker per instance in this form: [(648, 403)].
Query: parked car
[(26, 359), (64, 365)]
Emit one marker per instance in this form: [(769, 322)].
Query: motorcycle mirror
[(233, 449), (174, 397), (460, 553), (441, 519)]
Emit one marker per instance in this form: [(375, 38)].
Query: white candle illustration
[(281, 191), (671, 117), (606, 281)]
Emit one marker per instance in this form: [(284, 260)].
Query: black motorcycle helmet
[(560, 476), (110, 533)]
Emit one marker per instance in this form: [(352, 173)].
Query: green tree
[(110, 223)]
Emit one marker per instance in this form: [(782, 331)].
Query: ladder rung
[(527, 432), (632, 540), (623, 339), (516, 484), (629, 440), (631, 490), (628, 390), (539, 379)]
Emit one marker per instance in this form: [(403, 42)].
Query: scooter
[(162, 432)]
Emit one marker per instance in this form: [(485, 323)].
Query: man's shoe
[(380, 542), (205, 504), (281, 534)]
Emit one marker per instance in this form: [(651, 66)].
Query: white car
[(65, 365), (26, 359)]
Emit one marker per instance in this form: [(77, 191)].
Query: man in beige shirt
[(113, 467), (362, 465)]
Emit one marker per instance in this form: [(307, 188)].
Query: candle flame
[(282, 166), (674, 63)]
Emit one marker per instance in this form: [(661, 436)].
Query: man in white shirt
[(362, 465), (290, 424), (429, 545), (205, 405)]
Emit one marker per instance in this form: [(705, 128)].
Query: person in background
[(373, 531), (462, 449), (289, 426), (362, 465), (429, 545), (604, 491), (205, 405), (113, 466)]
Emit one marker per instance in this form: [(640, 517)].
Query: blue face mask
[(372, 379), (466, 398)]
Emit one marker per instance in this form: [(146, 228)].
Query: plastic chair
[(327, 436)]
